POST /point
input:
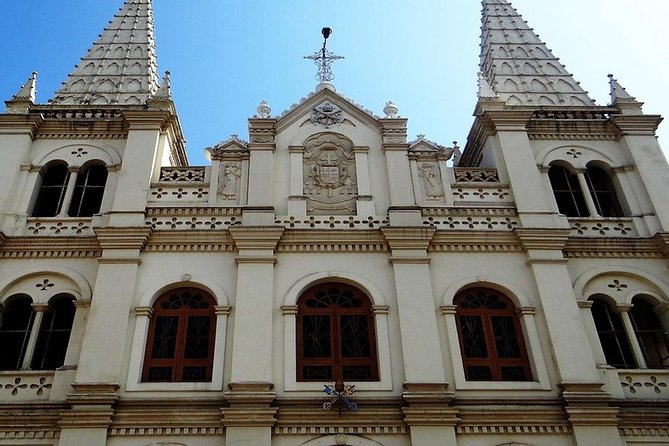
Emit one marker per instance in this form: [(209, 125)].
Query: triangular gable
[(305, 108)]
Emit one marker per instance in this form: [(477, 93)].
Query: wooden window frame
[(84, 187), (178, 361), (600, 185), (336, 360), (611, 332), (39, 208), (493, 361), (573, 192)]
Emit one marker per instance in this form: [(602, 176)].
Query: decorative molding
[(475, 241), (57, 226), (582, 247), (182, 174), (316, 240), (167, 431), (190, 241), (333, 222), (19, 386), (50, 247), (192, 218), (475, 175), (334, 430)]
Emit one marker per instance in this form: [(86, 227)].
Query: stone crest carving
[(329, 174), (327, 114)]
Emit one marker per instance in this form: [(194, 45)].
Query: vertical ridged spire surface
[(519, 66), (120, 67)]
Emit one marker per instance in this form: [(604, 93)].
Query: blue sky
[(227, 55)]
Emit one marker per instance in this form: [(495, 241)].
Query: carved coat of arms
[(326, 114), (329, 174)]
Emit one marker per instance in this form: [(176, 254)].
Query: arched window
[(180, 344), (612, 337), (651, 335), (88, 191), (493, 348), (51, 193), (567, 191), (603, 193), (335, 335), (15, 326), (54, 334)]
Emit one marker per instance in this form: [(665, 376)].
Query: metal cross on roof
[(324, 59)]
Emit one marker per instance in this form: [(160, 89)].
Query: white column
[(585, 190), (624, 311), (69, 191), (77, 333), (213, 180), (591, 330), (34, 333)]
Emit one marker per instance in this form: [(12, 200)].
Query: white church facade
[(327, 280)]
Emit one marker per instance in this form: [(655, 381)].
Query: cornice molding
[(21, 124), (50, 247), (643, 125)]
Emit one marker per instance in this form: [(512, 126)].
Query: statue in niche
[(228, 181), (329, 174), (431, 181)]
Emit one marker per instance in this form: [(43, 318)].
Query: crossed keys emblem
[(339, 394)]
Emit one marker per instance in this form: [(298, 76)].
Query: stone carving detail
[(617, 285), (178, 194), (431, 176), (477, 194), (44, 285), (329, 174), (182, 174), (333, 222), (640, 385), (228, 180), (327, 114), (24, 387), (66, 227), (606, 228), (475, 175)]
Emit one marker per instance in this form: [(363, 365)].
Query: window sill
[(174, 387), (501, 385), (365, 386)]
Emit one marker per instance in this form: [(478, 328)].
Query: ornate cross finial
[(324, 59)]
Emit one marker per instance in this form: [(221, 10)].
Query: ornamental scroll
[(329, 174)]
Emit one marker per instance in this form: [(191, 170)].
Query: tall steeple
[(120, 67), (519, 66)]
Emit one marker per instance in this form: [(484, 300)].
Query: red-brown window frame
[(336, 360), (178, 362), (493, 361)]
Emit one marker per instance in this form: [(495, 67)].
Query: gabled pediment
[(232, 145), (425, 147), (327, 109)]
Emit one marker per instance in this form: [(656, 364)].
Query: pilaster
[(90, 414), (261, 147), (403, 210), (249, 417), (139, 158), (638, 133), (416, 304)]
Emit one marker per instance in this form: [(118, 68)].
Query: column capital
[(123, 238), (543, 239), (256, 237), (39, 307), (408, 238)]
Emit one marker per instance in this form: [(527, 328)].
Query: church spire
[(120, 67), (519, 66)]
